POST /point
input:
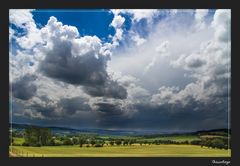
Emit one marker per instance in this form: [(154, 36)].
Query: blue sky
[(89, 22), (167, 70)]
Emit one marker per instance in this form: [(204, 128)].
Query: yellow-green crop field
[(119, 151)]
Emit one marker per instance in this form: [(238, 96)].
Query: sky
[(135, 69)]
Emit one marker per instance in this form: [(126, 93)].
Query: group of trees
[(219, 142), (158, 142), (76, 140), (93, 142), (36, 136)]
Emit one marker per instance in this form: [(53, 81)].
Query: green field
[(18, 141), (120, 151), (177, 138)]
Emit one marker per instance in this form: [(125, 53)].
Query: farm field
[(177, 138), (120, 151)]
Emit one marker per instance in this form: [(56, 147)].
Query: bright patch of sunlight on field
[(121, 151)]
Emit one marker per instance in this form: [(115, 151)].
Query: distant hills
[(71, 131), (216, 130)]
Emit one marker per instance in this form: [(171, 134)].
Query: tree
[(111, 143), (75, 140), (225, 147), (101, 142), (52, 142), (57, 142), (81, 141), (186, 142), (145, 142), (30, 136), (156, 142), (125, 142), (196, 142), (92, 142), (67, 141), (44, 135), (132, 141), (217, 143), (36, 136), (208, 143), (118, 142)]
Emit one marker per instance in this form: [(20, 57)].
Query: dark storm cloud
[(88, 70), (112, 115), (195, 116), (64, 108), (74, 111), (23, 88), (109, 109), (71, 105), (161, 118), (191, 116), (109, 89), (46, 111), (82, 70)]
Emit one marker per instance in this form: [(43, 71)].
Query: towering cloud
[(78, 60)]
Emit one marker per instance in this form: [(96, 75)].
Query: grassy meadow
[(120, 151)]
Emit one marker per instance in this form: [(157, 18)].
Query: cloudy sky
[(165, 70)]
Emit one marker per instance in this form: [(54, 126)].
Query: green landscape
[(35, 141)]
